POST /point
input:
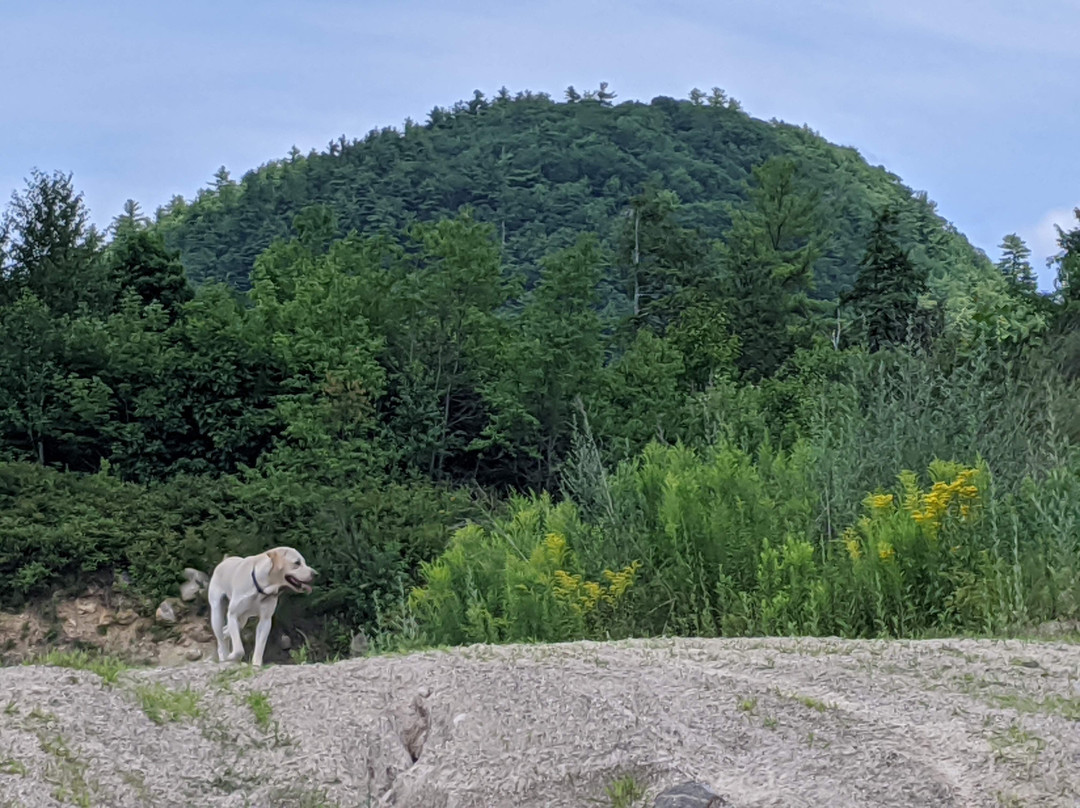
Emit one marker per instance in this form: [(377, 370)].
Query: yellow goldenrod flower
[(555, 544), (851, 542), (879, 502), (885, 551)]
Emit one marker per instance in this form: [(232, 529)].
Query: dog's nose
[(313, 572)]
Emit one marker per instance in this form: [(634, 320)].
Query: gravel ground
[(777, 722)]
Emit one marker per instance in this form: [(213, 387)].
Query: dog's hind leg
[(235, 623), (217, 620)]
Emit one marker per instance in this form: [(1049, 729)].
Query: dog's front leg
[(262, 632)]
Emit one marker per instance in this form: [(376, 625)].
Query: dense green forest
[(543, 172), (539, 371)]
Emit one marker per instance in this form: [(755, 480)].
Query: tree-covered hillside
[(542, 172)]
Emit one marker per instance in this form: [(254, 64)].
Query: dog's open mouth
[(297, 584)]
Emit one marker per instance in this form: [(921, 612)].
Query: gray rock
[(193, 654), (197, 577), (169, 611), (195, 584), (189, 590), (690, 795), (284, 642), (125, 617)]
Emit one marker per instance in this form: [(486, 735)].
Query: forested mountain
[(543, 171)]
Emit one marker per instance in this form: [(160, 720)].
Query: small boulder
[(169, 611), (189, 590), (195, 583), (284, 642), (201, 633), (193, 654), (125, 617), (690, 795), (105, 619), (197, 576)]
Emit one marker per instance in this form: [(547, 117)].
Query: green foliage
[(519, 580), (1014, 264), (625, 792), (698, 422), (59, 529), (163, 705), (768, 261), (660, 260), (107, 667), (542, 173), (49, 250), (887, 294), (554, 357), (1067, 262), (140, 264), (700, 523), (261, 709)]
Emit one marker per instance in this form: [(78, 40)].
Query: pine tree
[(1014, 263), (718, 98), (886, 293), (139, 262), (49, 248), (768, 260), (131, 218)]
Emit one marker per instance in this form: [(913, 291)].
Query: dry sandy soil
[(763, 722)]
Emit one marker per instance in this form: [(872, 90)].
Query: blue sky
[(977, 103)]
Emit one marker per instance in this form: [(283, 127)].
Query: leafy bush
[(698, 522), (519, 580)]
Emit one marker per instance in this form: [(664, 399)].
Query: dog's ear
[(275, 559)]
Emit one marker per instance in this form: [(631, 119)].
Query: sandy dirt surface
[(800, 722)]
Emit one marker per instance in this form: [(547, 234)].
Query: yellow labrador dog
[(252, 585)]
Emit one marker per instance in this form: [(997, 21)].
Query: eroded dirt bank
[(764, 722)]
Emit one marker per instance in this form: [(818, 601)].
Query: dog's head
[(288, 570)]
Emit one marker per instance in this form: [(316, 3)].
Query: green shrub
[(57, 529), (698, 522), (519, 580)]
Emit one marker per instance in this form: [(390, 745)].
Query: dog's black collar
[(259, 588)]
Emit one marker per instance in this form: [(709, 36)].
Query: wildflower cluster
[(890, 522), (935, 504), (584, 596)]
